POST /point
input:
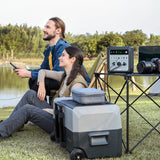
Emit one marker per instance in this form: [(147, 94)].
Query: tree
[(110, 39), (134, 38), (26, 41), (153, 40)]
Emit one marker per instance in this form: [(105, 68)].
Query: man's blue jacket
[(56, 53)]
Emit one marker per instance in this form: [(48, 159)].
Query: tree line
[(27, 42)]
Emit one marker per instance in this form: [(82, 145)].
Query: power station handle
[(99, 138)]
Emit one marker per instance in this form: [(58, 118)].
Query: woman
[(32, 107)]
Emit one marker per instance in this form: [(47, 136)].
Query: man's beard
[(49, 37)]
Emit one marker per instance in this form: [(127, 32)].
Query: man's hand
[(41, 91), (23, 73)]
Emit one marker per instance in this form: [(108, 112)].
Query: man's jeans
[(50, 84)]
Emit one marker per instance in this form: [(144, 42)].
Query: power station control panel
[(120, 59)]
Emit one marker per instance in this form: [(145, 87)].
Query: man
[(54, 33)]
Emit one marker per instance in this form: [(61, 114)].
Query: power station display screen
[(116, 52)]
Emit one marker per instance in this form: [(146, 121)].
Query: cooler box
[(88, 130)]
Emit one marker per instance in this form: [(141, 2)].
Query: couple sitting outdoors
[(33, 106)]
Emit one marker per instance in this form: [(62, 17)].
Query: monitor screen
[(146, 53)]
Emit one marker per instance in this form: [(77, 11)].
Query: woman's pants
[(28, 109), (30, 97)]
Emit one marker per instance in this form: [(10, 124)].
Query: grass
[(35, 144)]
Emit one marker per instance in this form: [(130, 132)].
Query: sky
[(85, 16)]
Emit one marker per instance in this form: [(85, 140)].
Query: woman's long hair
[(77, 66)]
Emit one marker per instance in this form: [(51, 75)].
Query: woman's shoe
[(21, 128)]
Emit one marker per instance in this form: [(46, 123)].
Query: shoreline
[(30, 61), (26, 61)]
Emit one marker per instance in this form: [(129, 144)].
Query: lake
[(12, 87)]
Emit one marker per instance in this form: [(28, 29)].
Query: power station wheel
[(77, 154)]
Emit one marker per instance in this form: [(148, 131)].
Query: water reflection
[(143, 82), (12, 87), (10, 97), (9, 80)]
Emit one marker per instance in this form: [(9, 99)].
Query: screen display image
[(118, 51), (146, 53)]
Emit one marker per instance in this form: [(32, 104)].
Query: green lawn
[(34, 144)]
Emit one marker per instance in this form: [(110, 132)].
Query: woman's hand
[(41, 91)]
